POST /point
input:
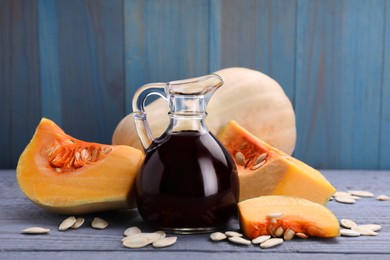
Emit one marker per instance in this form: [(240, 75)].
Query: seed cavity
[(67, 223), (271, 243), (99, 223), (217, 236), (35, 230)]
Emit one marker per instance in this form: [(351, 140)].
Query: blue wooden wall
[(78, 62)]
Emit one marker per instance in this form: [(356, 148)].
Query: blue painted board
[(385, 112), (20, 102), (338, 82), (255, 34), (90, 62), (164, 41)]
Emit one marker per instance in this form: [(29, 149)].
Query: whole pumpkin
[(253, 99)]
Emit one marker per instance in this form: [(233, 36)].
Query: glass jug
[(188, 182)]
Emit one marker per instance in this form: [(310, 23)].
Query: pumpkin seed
[(258, 165), (373, 227), (260, 158), (301, 235), (240, 240), (35, 230), (84, 154), (279, 232), (341, 194), (289, 234), (240, 158), (150, 236), (275, 215), (79, 222), (136, 242), (107, 149), (164, 242), (218, 236), (349, 233), (382, 197), (67, 223), (99, 223), (364, 231), (233, 234), (361, 193), (58, 169), (347, 223), (131, 231), (271, 243), (345, 200), (260, 239)]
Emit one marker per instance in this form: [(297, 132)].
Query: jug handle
[(139, 114)]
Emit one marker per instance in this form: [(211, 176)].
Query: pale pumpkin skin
[(105, 184), (253, 99)]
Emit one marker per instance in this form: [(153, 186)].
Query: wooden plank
[(385, 112), (49, 62), (338, 82), (19, 78), (90, 58), (255, 34), (164, 41), (18, 213)]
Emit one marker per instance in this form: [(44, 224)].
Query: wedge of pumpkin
[(65, 175), (265, 215), (265, 170)]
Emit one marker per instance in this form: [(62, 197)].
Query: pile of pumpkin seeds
[(134, 238), (351, 229)]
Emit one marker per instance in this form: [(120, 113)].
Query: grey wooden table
[(17, 213)]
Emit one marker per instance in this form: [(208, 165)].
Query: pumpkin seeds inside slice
[(164, 242), (99, 223), (233, 234), (279, 232), (301, 235), (240, 240), (67, 223), (35, 230), (240, 158), (347, 223), (79, 222), (271, 243), (349, 233), (132, 231), (361, 193), (217, 236), (288, 234), (260, 239)]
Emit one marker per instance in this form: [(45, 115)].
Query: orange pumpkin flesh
[(69, 176), (279, 174), (299, 215)]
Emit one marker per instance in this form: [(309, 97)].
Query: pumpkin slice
[(253, 99), (265, 170), (258, 216), (69, 176)]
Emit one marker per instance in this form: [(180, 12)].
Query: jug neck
[(187, 113)]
